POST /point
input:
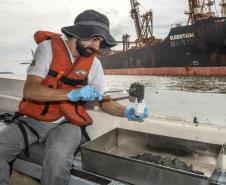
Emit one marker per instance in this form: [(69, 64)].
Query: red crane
[(199, 9), (143, 23), (223, 8)]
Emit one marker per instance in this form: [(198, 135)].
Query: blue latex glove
[(86, 93), (130, 114)]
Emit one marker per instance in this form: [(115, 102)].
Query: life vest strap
[(20, 123), (67, 81), (46, 109), (85, 134), (59, 75)]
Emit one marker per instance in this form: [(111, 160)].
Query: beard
[(84, 51)]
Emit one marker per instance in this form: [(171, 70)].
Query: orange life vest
[(62, 75)]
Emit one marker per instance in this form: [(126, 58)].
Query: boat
[(181, 118), (197, 48)]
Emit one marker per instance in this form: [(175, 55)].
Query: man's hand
[(130, 114), (86, 93)]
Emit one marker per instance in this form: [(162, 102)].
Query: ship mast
[(143, 23), (199, 9), (125, 42), (223, 8)]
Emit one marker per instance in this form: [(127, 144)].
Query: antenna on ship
[(143, 23), (223, 8), (199, 9)]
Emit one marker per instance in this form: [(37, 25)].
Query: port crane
[(143, 25), (199, 9), (223, 8)]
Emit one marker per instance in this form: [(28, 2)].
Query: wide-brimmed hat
[(88, 24)]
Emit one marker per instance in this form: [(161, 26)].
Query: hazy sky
[(19, 19)]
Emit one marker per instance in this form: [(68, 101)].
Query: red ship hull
[(175, 71)]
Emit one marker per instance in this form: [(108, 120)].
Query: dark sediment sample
[(137, 91), (169, 162)]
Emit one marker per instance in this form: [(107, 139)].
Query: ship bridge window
[(190, 41), (177, 43), (173, 43)]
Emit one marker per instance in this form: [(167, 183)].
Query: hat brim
[(86, 32)]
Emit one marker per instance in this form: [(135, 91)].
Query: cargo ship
[(196, 48)]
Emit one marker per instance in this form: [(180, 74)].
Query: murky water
[(179, 83), (185, 83)]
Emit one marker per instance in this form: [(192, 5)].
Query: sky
[(20, 19)]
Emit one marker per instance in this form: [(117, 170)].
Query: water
[(182, 83), (177, 83)]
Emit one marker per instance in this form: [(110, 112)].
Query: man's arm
[(111, 107), (34, 90)]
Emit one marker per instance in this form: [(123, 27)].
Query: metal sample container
[(110, 156)]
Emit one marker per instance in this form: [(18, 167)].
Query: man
[(62, 77)]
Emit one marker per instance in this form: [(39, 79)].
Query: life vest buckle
[(59, 75)]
